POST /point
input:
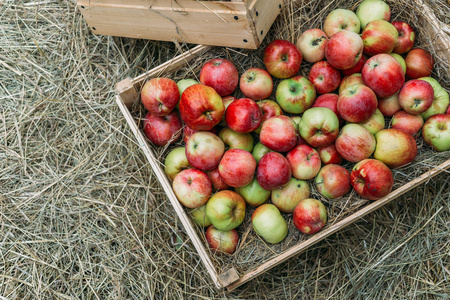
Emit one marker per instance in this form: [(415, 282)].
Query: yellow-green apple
[(400, 59), (243, 115), (192, 188), (436, 132), (220, 74), (406, 37), (224, 241), (355, 143), (236, 140), (273, 171), (259, 150), (419, 63), (282, 59), (175, 162), (329, 155), (371, 179), (278, 133), (329, 101), (389, 106), (357, 103), (162, 130), (160, 96), (395, 148), (288, 196), (269, 109), (341, 19), (371, 10), (187, 132), (226, 210), (304, 161), (416, 96), (310, 216), (375, 123), (383, 74), (199, 216), (311, 44), (201, 108), (319, 126), (256, 84), (333, 181), (379, 36), (253, 193), (344, 49), (204, 150), (324, 77), (406, 122), (217, 182), (226, 101), (350, 80), (295, 94), (269, 224), (440, 101), (185, 83), (356, 68), (237, 167)]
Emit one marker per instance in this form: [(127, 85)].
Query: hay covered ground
[(82, 215)]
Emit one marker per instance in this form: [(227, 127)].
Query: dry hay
[(83, 216)]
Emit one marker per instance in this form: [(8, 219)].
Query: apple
[(185, 83), (243, 115), (226, 101), (269, 109), (236, 140), (253, 193), (406, 37), (333, 181), (226, 210), (383, 74), (319, 126), (356, 68), (341, 19), (311, 44), (288, 196), (357, 103), (217, 182), (201, 108), (224, 241), (220, 74), (419, 63), (324, 77), (278, 133), (372, 179), (440, 101), (406, 122), (256, 84), (204, 150), (395, 148), (162, 130), (175, 162), (436, 132), (416, 96), (295, 94), (349, 80), (375, 123), (371, 10), (259, 150), (389, 106), (282, 59), (344, 49), (379, 36), (329, 101), (273, 171), (199, 216), (192, 188), (188, 132), (355, 143), (448, 110), (269, 224), (304, 161), (237, 167), (160, 96), (400, 59), (310, 216), (329, 155)]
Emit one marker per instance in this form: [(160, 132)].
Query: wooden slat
[(299, 248), (264, 14)]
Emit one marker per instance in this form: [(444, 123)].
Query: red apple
[(282, 59), (357, 103), (160, 96), (333, 181), (243, 115), (192, 188), (310, 216), (349, 80), (419, 63), (204, 150), (226, 101), (161, 130), (220, 74), (222, 240), (379, 36), (341, 19), (344, 49), (311, 44), (389, 106), (395, 148), (256, 84), (355, 143), (406, 122), (416, 96), (356, 68), (406, 37), (328, 101), (304, 161), (278, 133), (269, 109), (217, 182), (295, 94), (226, 210), (324, 77), (319, 126), (237, 167), (371, 179), (273, 171), (329, 155), (187, 132), (436, 132)]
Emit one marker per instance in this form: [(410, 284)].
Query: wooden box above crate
[(241, 23)]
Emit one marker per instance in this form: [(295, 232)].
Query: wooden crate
[(242, 23), (128, 97)]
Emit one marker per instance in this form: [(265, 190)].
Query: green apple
[(199, 216), (400, 59), (288, 196), (185, 83), (253, 193), (226, 210), (436, 132), (375, 123), (295, 94), (259, 151), (222, 240), (236, 140), (176, 161), (269, 224), (440, 101), (371, 10)]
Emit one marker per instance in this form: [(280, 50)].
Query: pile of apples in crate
[(244, 151)]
